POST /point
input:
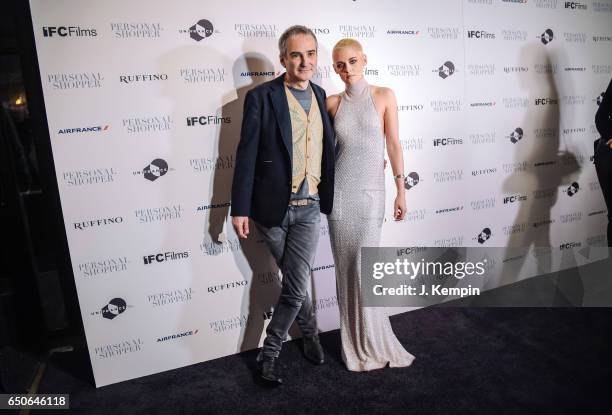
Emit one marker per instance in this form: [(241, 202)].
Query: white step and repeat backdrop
[(144, 100)]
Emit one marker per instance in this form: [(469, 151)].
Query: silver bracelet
[(399, 176)]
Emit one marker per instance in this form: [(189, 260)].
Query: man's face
[(301, 59), (349, 63)]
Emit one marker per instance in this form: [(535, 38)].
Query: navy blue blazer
[(262, 171), (603, 117)]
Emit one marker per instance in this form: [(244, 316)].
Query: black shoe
[(269, 372), (313, 350)]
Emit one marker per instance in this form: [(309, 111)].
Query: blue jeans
[(293, 244)]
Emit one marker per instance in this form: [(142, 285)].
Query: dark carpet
[(468, 360), (477, 361)]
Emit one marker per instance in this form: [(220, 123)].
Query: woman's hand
[(609, 143), (399, 207)]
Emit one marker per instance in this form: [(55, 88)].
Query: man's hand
[(241, 225)]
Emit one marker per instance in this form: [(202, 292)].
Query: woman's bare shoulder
[(332, 102), (333, 98), (383, 91)]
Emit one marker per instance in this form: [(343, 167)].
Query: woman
[(365, 118)]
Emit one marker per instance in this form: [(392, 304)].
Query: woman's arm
[(331, 103), (394, 150)]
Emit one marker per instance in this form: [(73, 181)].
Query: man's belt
[(302, 202)]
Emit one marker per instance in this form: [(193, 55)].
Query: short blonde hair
[(347, 42)]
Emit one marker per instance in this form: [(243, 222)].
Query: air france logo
[(97, 128), (446, 70), (411, 180), (178, 336), (516, 135), (402, 32), (547, 36)]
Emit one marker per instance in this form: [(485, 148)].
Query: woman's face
[(349, 63)]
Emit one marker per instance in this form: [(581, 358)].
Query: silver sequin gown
[(368, 342)]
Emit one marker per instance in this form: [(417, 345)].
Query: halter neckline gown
[(368, 341)]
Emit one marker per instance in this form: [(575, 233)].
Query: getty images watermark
[(414, 270), (463, 276)]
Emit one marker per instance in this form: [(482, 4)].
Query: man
[(603, 153), (283, 179)]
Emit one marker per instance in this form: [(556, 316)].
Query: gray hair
[(292, 31)]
